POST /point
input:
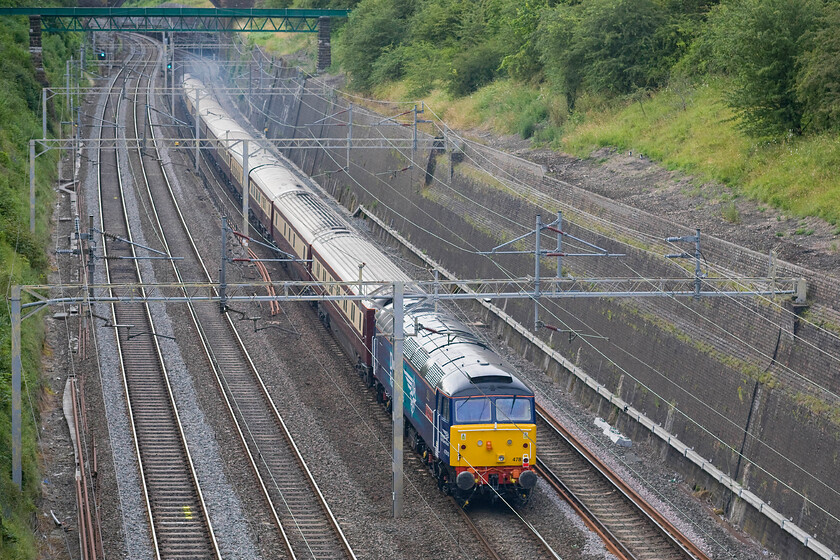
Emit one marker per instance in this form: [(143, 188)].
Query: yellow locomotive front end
[(495, 459)]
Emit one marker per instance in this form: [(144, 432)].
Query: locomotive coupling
[(466, 480)]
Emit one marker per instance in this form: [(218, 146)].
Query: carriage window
[(473, 410), (514, 409)]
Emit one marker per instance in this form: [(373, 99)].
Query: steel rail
[(611, 542), (203, 338), (530, 533), (476, 531), (680, 546), (170, 511), (204, 321)]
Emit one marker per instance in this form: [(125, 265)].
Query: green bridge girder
[(204, 20)]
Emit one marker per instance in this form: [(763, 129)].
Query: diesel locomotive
[(468, 415)]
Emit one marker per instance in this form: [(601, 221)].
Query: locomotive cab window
[(513, 409), (474, 410)]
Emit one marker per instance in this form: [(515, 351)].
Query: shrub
[(474, 68)]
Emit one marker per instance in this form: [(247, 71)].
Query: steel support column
[(44, 113), (246, 187), (397, 399), (17, 476), (32, 186)]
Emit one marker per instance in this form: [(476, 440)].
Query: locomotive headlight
[(480, 443), (510, 442)]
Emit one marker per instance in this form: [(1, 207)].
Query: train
[(469, 416)]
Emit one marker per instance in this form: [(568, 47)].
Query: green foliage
[(374, 28), (730, 213), (800, 176), (562, 54), (524, 63), (758, 42), (438, 22), (818, 78), (22, 259), (679, 80), (610, 46), (474, 68)]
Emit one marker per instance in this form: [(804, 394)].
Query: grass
[(503, 107), (304, 46), (701, 139), (689, 129), (800, 176)]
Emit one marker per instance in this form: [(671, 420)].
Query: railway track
[(500, 534), (630, 526), (628, 533), (179, 524), (506, 534), (300, 511)]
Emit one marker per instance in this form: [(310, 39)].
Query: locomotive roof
[(449, 355)]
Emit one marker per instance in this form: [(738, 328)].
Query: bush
[(818, 78), (607, 46), (758, 43), (474, 68), (374, 28)]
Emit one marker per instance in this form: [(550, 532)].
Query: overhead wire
[(551, 400), (343, 318), (681, 412), (398, 213), (325, 371)]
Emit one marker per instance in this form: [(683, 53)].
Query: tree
[(619, 39), (758, 42), (818, 77), (474, 67), (521, 24), (561, 53), (374, 28), (610, 46)]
